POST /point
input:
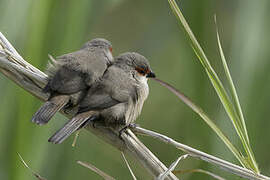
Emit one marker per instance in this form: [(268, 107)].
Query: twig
[(232, 168), (96, 170), (172, 167), (129, 168), (31, 170), (32, 80), (199, 171), (75, 138)]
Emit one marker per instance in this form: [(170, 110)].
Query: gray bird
[(71, 76), (116, 100)]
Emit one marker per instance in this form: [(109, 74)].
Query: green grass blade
[(206, 118), (231, 84), (227, 104), (233, 112), (204, 61), (236, 100)]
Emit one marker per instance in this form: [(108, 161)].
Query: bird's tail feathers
[(49, 108), (74, 124)]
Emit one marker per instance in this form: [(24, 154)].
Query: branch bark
[(13, 66)]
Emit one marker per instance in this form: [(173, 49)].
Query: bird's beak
[(151, 75)]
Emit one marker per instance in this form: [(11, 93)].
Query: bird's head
[(100, 43), (137, 64)]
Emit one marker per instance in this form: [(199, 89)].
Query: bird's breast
[(142, 91)]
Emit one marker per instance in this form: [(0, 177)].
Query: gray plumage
[(117, 99), (71, 75), (77, 122), (49, 108)]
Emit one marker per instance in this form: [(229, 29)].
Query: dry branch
[(232, 168)]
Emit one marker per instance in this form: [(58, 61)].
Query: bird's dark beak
[(151, 75)]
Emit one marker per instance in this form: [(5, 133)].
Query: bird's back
[(88, 60), (75, 71)]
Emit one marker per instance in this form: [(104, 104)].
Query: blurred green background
[(37, 28)]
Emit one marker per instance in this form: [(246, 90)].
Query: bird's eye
[(140, 71)]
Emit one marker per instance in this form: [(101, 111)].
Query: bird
[(116, 100), (71, 75)]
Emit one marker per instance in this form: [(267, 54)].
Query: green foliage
[(232, 107)]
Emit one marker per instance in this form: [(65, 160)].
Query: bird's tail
[(49, 108), (74, 124)]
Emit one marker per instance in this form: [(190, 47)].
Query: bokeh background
[(37, 28)]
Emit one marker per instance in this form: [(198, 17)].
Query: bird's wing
[(98, 98), (78, 70), (66, 81), (114, 88)]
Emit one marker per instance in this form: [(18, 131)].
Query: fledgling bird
[(71, 75), (117, 99)]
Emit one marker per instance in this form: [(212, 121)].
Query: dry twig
[(232, 168), (96, 170), (172, 167), (39, 177), (129, 168)]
